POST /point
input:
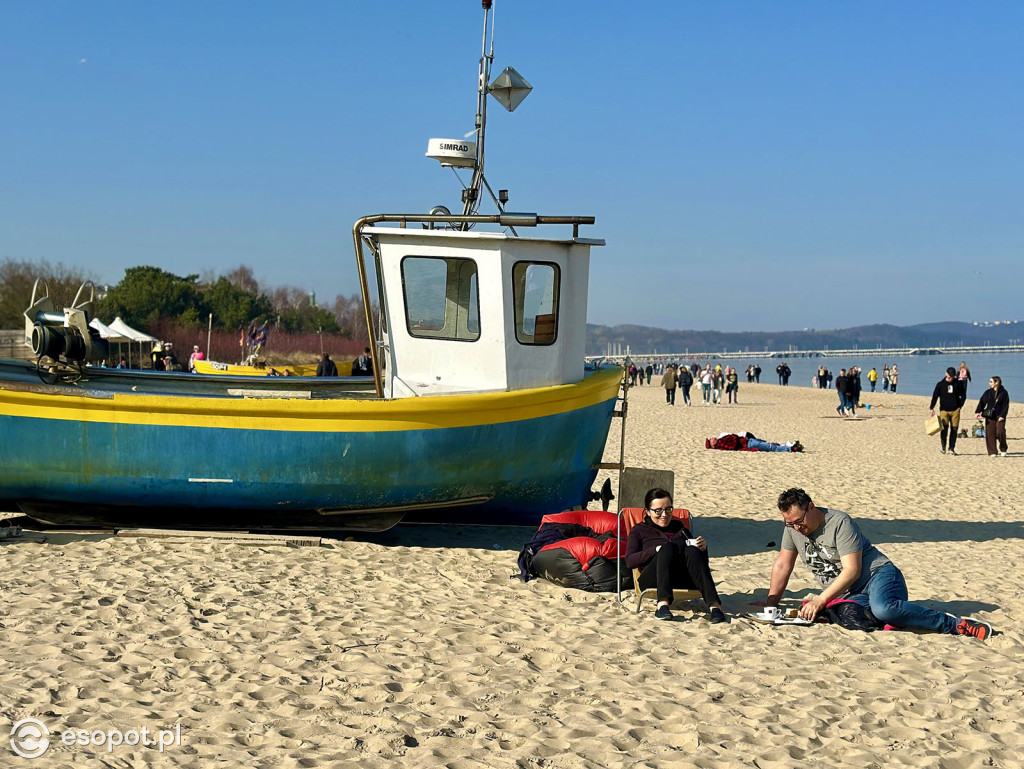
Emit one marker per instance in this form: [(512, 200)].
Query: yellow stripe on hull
[(438, 412)]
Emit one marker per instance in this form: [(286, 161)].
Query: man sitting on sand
[(748, 442), (848, 566)]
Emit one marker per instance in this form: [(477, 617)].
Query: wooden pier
[(876, 352)]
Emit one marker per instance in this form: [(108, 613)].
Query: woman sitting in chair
[(670, 557)]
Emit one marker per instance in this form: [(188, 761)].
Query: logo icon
[(30, 738)]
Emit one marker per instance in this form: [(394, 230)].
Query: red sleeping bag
[(586, 561)]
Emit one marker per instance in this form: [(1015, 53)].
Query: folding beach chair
[(630, 517)]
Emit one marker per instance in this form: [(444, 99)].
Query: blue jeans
[(886, 596), (757, 443)]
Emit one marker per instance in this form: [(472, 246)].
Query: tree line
[(149, 296)]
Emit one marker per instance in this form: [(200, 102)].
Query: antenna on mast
[(509, 89)]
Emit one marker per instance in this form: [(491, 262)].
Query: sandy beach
[(415, 648)]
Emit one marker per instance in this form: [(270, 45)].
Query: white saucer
[(760, 617)]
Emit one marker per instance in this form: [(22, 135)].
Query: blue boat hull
[(131, 466)]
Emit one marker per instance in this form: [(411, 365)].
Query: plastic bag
[(851, 615)]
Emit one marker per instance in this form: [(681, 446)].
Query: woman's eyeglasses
[(659, 511)]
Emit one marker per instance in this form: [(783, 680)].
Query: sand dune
[(415, 648)]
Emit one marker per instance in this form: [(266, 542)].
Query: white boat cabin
[(479, 311)]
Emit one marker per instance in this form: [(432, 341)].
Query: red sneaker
[(974, 627)]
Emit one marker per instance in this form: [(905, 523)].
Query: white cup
[(771, 612)]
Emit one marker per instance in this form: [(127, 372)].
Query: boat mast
[(471, 195)]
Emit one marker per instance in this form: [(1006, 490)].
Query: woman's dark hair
[(998, 381), (654, 494), (797, 497)]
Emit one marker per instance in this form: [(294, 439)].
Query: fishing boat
[(237, 369), (481, 403)]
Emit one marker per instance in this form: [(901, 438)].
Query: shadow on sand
[(727, 536), (736, 536)]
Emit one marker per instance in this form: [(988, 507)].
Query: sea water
[(918, 373)]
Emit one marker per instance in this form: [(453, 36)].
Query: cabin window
[(442, 298), (535, 288)]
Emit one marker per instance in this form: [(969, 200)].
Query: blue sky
[(752, 165)]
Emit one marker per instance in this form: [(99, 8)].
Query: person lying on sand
[(748, 442), (848, 566)]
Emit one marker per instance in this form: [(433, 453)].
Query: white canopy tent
[(125, 333), (106, 332), (120, 327)]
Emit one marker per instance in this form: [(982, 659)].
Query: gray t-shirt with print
[(824, 549)]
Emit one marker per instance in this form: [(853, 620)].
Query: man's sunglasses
[(799, 521)]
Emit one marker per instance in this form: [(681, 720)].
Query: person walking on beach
[(732, 385), (964, 375), (853, 388), (950, 395), (848, 566), (873, 377), (993, 407), (363, 365), (841, 385), (705, 383), (717, 383), (326, 366), (894, 377), (170, 359), (778, 370), (668, 381), (685, 381), (650, 370), (885, 378), (757, 373), (670, 557)]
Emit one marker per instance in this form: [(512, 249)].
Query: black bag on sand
[(851, 615)]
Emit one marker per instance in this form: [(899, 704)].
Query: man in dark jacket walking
[(326, 367), (853, 388), (841, 388), (685, 383), (950, 394)]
